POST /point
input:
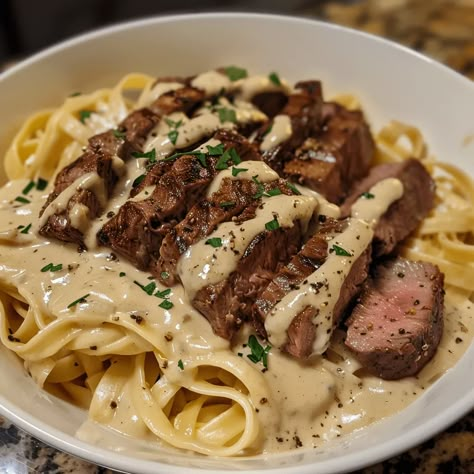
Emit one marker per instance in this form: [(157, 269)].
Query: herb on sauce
[(82, 299), (273, 76), (226, 115), (202, 159), (180, 364), (52, 268), (235, 73), (227, 204), (235, 156), (273, 224), (293, 188), (28, 188), (214, 242), (268, 130), (151, 155), (22, 200), (41, 184), (173, 136), (25, 229), (84, 114), (148, 289), (236, 171), (118, 134), (260, 188), (273, 192), (173, 124), (163, 294), (165, 275), (222, 161), (75, 94), (340, 251), (215, 150), (138, 180), (166, 304), (367, 195), (122, 274), (259, 353)]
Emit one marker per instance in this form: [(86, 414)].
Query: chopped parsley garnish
[(273, 76), (122, 274), (260, 188), (293, 188), (227, 115), (235, 156), (28, 188), (82, 299), (75, 94), (340, 251), (273, 192), (214, 242), (165, 275), (84, 114), (180, 364), (148, 289), (268, 130), (151, 155), (367, 195), (166, 304), (163, 294), (222, 161), (227, 204), (202, 159), (118, 134), (236, 171), (259, 353), (235, 73), (173, 124), (41, 184), (215, 150), (273, 224), (52, 268), (22, 200), (25, 229), (138, 180), (173, 136)]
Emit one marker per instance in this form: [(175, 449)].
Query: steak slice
[(336, 156), (137, 230), (396, 327), (185, 99), (405, 214), (103, 157), (304, 110), (302, 331), (235, 200), (270, 103)]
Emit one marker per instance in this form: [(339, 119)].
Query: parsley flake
[(165, 275), (75, 94), (293, 188), (28, 188), (235, 73), (122, 274), (227, 115), (173, 124), (260, 188), (214, 242), (41, 184), (273, 76), (148, 289), (235, 156), (163, 294), (202, 159), (82, 299), (273, 192), (52, 268), (118, 134), (151, 155), (26, 229), (180, 364), (227, 204), (273, 224), (173, 136), (236, 171), (340, 251), (367, 195), (215, 150), (138, 180), (259, 353), (222, 161), (84, 114), (22, 200), (166, 304)]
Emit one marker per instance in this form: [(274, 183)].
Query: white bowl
[(391, 81)]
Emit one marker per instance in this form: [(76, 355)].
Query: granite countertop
[(443, 29)]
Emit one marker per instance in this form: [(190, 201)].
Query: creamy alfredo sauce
[(298, 404)]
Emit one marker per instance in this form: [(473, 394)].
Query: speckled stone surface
[(441, 28)]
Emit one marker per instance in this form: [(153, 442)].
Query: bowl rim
[(102, 456)]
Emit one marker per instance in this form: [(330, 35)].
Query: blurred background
[(443, 29)]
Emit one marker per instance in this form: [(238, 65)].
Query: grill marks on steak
[(397, 325), (98, 158), (185, 99), (235, 200), (304, 109), (302, 331), (405, 214), (228, 303), (137, 230), (336, 156)]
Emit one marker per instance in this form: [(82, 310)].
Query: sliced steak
[(270, 103), (186, 99), (397, 325), (138, 228), (405, 214), (235, 200), (336, 156), (302, 330), (304, 110), (103, 158)]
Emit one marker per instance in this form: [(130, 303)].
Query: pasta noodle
[(147, 380)]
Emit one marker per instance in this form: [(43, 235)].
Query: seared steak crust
[(397, 325)]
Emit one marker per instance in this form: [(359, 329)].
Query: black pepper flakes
[(93, 348), (113, 405)]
